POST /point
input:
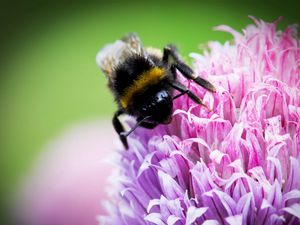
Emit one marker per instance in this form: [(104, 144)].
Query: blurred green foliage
[(49, 78)]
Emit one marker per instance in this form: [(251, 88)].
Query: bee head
[(159, 107)]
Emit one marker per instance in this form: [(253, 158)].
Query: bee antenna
[(137, 125)]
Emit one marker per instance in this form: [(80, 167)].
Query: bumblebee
[(143, 81)]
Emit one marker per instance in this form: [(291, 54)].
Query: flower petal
[(155, 218), (234, 220), (293, 210), (194, 213)]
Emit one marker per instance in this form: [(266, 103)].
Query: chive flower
[(236, 161)]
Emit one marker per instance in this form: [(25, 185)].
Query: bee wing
[(113, 54), (135, 43)]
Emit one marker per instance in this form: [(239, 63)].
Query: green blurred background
[(49, 78)]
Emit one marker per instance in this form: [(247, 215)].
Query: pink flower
[(66, 186), (238, 163)]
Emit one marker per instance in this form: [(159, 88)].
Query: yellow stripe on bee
[(150, 77)]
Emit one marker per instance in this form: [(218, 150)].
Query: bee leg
[(146, 124), (186, 71), (183, 90), (119, 127), (170, 50), (180, 94)]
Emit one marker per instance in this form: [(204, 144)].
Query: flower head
[(61, 188), (237, 163)]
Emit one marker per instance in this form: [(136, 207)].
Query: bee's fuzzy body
[(135, 79), (143, 82)]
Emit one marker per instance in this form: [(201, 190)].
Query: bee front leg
[(183, 90), (186, 71), (146, 124), (171, 50), (119, 127)]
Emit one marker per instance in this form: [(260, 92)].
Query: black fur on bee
[(143, 87)]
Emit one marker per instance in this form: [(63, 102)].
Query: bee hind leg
[(186, 71)]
